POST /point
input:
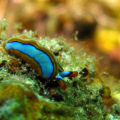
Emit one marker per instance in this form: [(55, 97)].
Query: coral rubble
[(26, 96)]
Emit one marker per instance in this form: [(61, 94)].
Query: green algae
[(3, 25), (23, 96)]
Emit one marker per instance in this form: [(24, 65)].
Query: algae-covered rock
[(18, 102), (24, 95)]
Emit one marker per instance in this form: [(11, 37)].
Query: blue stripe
[(58, 77), (39, 56), (65, 73)]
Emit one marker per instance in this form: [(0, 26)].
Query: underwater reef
[(24, 95)]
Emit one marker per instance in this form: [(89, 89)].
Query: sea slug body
[(41, 59)]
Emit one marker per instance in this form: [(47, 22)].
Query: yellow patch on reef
[(108, 101), (116, 97), (107, 39)]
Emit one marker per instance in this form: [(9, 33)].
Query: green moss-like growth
[(3, 24), (25, 96)]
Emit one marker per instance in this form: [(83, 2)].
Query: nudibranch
[(40, 58)]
